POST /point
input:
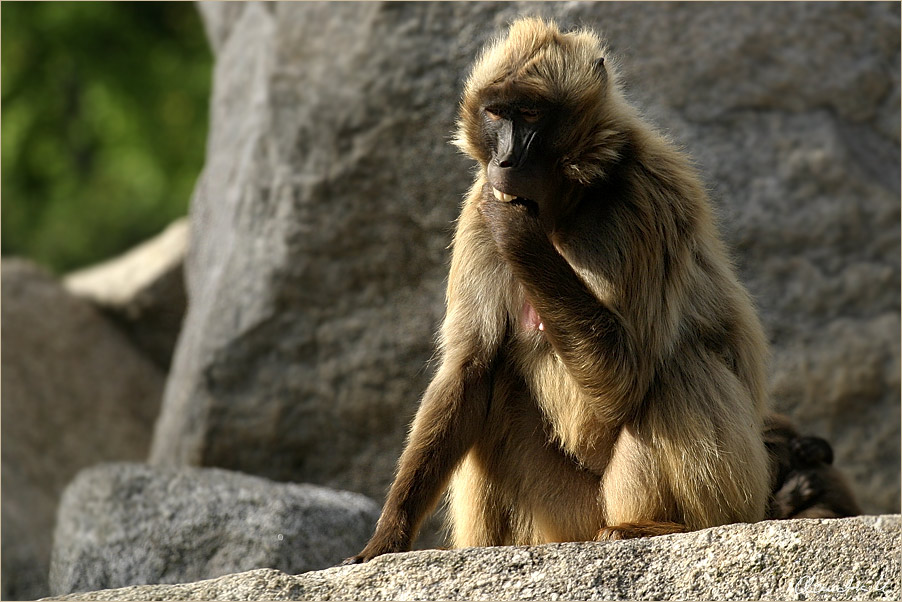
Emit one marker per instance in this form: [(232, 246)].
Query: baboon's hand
[(378, 546), (514, 225), (359, 559)]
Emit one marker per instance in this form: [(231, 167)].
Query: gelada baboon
[(602, 370), (805, 483)]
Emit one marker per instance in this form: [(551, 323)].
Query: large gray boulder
[(321, 222), (126, 524), (142, 291), (75, 392), (846, 559)]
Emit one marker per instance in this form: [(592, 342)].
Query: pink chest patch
[(530, 317)]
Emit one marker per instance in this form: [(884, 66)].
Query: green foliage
[(104, 119)]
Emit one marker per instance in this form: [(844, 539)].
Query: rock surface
[(75, 392), (321, 221), (842, 559), (126, 524), (142, 291)]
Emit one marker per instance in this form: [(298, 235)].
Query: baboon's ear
[(599, 67)]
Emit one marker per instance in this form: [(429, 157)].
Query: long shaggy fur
[(637, 409), (685, 447)]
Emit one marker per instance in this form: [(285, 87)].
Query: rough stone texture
[(142, 291), (321, 221), (841, 559), (127, 524), (75, 392)]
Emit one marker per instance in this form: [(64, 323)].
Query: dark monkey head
[(541, 113)]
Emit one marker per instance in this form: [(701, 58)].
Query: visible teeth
[(507, 198)]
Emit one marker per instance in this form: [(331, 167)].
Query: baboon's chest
[(564, 404), (552, 389)]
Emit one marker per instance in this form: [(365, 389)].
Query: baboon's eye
[(492, 114), (530, 115)]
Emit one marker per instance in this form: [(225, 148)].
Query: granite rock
[(808, 559), (75, 392), (142, 291), (126, 524)]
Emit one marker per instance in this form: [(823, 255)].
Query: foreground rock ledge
[(847, 559)]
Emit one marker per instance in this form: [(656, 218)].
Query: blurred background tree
[(104, 119)]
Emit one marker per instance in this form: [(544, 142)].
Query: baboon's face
[(537, 116), (519, 135)]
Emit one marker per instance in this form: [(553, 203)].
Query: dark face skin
[(519, 136)]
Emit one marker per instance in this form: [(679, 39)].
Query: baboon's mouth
[(510, 198), (502, 196)]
